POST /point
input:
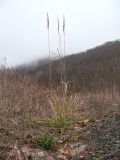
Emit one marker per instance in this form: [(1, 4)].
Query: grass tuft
[(45, 141)]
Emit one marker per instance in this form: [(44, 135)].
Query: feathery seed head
[(48, 21), (63, 23)]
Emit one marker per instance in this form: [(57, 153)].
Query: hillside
[(97, 68)]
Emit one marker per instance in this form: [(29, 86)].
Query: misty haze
[(23, 32)]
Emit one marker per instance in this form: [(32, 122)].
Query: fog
[(23, 28)]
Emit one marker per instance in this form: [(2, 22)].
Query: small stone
[(77, 150), (61, 157), (41, 154), (118, 141), (25, 150)]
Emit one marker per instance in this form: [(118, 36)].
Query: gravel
[(102, 140)]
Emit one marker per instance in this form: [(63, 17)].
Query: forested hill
[(97, 68)]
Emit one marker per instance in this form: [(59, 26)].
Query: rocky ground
[(102, 140), (99, 140)]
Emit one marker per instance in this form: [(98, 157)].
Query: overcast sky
[(23, 32)]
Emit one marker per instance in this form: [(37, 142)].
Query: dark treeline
[(95, 69)]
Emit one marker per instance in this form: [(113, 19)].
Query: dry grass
[(26, 108), (99, 104), (21, 97)]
